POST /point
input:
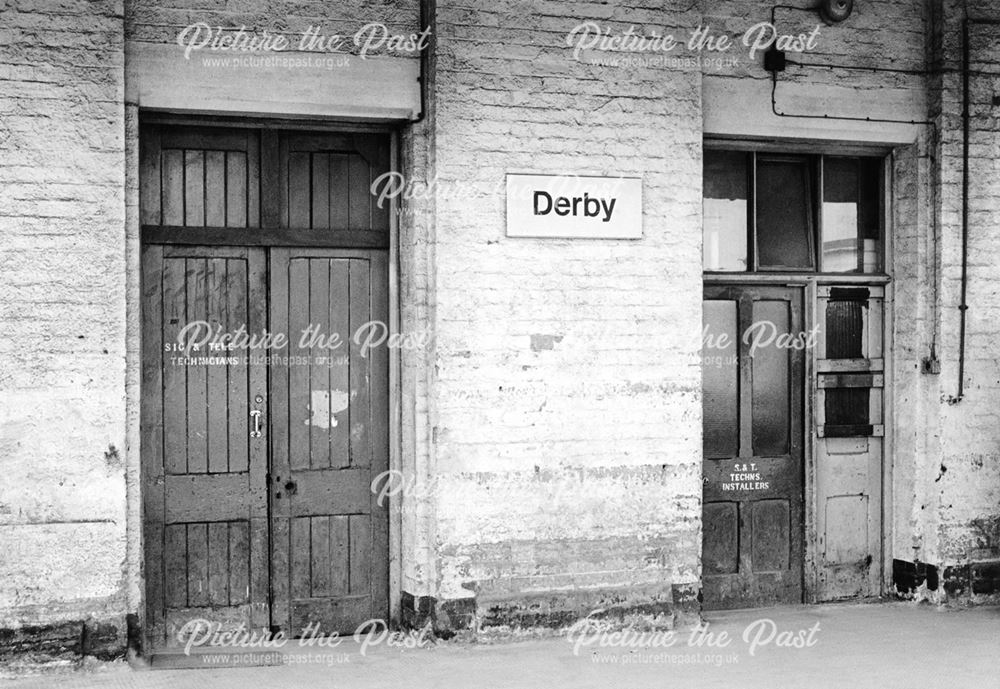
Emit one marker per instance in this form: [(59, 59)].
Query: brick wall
[(558, 414), (567, 417), (946, 470), (966, 491), (161, 22), (62, 365)]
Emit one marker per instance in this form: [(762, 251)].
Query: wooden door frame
[(811, 281), (147, 118)]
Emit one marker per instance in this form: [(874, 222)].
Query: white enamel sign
[(573, 206)]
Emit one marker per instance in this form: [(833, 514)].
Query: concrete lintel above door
[(373, 89)]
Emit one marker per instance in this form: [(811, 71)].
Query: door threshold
[(868, 600), (219, 657)]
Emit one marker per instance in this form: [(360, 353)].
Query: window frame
[(270, 141), (815, 153)]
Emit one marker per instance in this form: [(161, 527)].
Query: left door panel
[(203, 447)]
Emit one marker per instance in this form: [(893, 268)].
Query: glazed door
[(330, 439), (752, 390)]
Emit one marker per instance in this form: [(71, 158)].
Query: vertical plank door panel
[(339, 373), (218, 563), (322, 395), (174, 374), (197, 375), (344, 555), (194, 188), (217, 374), (320, 568), (299, 188), (340, 214), (320, 191), (238, 401), (215, 188), (211, 516), (359, 194), (302, 407), (172, 191)]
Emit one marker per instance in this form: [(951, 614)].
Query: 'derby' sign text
[(574, 206)]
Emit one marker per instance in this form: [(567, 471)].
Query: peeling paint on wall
[(544, 342)]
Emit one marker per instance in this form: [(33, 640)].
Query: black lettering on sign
[(586, 205)]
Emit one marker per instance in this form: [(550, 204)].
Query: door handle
[(255, 415)]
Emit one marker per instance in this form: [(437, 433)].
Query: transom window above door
[(775, 212), (270, 187)]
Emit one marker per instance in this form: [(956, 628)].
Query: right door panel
[(850, 383), (329, 440)]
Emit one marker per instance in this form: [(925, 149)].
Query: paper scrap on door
[(325, 404)]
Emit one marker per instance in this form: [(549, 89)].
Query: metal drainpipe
[(963, 307), (425, 13)]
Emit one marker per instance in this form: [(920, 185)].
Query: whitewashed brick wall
[(560, 408), (966, 491), (62, 309), (153, 21), (567, 387)]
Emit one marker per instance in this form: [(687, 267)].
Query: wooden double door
[(267, 424), (753, 356), (265, 380)]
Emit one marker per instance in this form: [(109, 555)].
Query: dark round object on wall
[(835, 11)]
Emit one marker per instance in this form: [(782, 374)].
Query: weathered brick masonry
[(557, 417), (567, 448), (62, 352), (963, 481)]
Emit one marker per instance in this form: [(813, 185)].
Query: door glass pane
[(720, 380), (841, 215), (771, 394), (725, 211), (784, 214), (845, 325), (870, 221), (847, 406)]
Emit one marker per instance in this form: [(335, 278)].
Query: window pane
[(784, 214), (719, 380), (725, 211), (845, 327), (871, 214), (841, 215), (847, 406), (771, 393)]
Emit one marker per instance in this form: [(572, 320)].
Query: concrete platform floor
[(880, 646)]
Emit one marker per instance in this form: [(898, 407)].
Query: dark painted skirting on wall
[(104, 640), (680, 606), (907, 577), (976, 578), (981, 578)]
